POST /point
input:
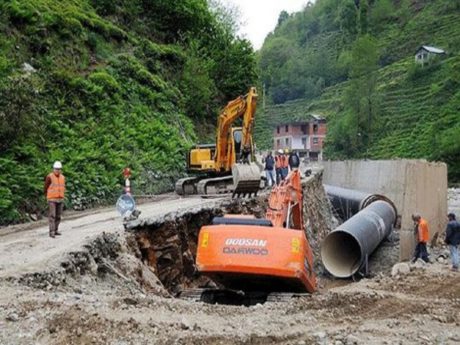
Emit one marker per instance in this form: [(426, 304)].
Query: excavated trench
[(158, 256), (169, 247)]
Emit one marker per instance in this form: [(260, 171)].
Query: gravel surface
[(91, 287)]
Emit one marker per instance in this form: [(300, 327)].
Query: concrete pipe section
[(346, 249), (348, 202)]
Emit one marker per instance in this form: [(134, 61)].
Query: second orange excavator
[(260, 257)]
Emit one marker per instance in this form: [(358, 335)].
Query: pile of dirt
[(318, 216)]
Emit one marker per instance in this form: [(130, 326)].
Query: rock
[(13, 317), (320, 336), (338, 342), (352, 340), (301, 342), (441, 260), (130, 301), (401, 268), (419, 264), (27, 68), (185, 324)]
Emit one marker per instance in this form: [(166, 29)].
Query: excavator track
[(237, 297), (216, 186), (220, 185), (186, 186)]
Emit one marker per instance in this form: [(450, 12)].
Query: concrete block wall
[(413, 185)]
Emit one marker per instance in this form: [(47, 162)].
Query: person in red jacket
[(423, 236), (54, 192)]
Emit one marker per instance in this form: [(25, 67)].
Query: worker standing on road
[(270, 169), (279, 163), (453, 239), (54, 192), (423, 235)]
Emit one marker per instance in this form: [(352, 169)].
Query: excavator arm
[(285, 203), (245, 107)]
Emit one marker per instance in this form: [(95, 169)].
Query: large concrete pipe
[(346, 249), (348, 202)]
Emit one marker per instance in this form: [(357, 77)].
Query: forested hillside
[(353, 62), (104, 84)]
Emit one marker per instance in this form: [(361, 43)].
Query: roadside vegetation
[(101, 85)]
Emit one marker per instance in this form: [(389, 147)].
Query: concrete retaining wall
[(413, 185)]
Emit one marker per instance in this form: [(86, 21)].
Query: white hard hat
[(280, 151), (57, 165)]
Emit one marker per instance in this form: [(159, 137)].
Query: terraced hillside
[(417, 109)]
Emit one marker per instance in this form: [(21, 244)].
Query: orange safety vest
[(279, 161), (285, 161), (56, 189), (423, 232)]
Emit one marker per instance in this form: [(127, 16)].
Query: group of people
[(280, 164), (277, 168), (452, 238)]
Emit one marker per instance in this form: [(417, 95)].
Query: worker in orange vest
[(423, 236), (285, 163), (279, 165), (54, 192)]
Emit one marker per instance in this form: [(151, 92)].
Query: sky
[(260, 16)]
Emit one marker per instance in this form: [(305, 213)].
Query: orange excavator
[(256, 259)]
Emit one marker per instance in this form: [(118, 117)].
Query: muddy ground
[(99, 284)]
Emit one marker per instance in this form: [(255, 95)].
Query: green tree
[(361, 97), (351, 131), (382, 11), (348, 16), (363, 16), (404, 11), (282, 17)]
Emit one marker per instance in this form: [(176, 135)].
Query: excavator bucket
[(246, 179)]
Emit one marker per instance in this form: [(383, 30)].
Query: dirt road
[(34, 251), (108, 295)]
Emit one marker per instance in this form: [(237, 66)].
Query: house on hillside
[(306, 137), (426, 53)]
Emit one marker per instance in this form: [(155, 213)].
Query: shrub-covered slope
[(101, 85)]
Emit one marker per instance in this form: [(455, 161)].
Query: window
[(304, 142), (315, 128), (315, 141), (304, 129), (278, 143), (278, 129), (286, 142), (286, 128)]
